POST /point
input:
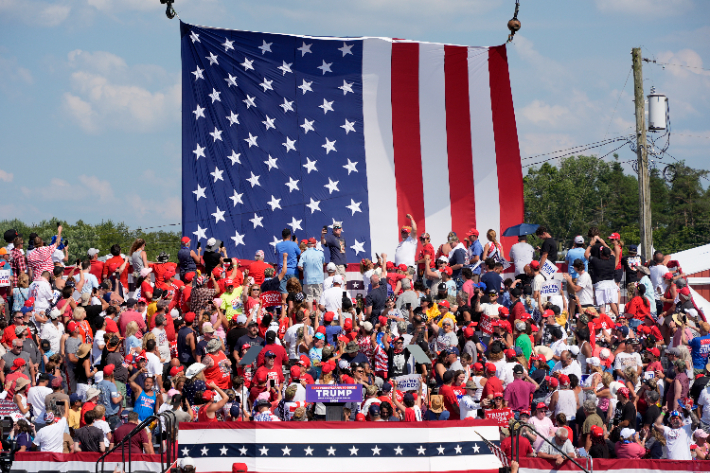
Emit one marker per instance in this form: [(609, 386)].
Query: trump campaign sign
[(333, 393)]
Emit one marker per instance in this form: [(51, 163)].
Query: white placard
[(408, 382), (550, 288), (548, 269), (5, 278)]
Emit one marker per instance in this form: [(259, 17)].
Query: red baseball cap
[(525, 317), (382, 320), (169, 273), (108, 370), (490, 367), (304, 361), (535, 264), (597, 431), (348, 324), (260, 377), (295, 372), (185, 240), (552, 381), (228, 282), (208, 395), (548, 313), (503, 310), (312, 241), (447, 270), (615, 236), (320, 329), (327, 367), (360, 417), (189, 317), (534, 328), (478, 367), (402, 267), (71, 326), (472, 231), (406, 228), (30, 302), (564, 379), (329, 316), (389, 265), (685, 291), (654, 351), (175, 370), (445, 304), (541, 405), (217, 272), (510, 353), (468, 332), (624, 391), (668, 275)]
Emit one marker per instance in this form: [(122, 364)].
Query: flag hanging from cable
[(298, 132)]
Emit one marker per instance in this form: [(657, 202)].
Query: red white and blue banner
[(342, 447), (32, 462), (283, 131), (602, 465)]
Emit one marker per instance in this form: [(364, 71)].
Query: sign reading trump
[(333, 393)]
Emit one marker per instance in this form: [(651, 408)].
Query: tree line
[(582, 192)]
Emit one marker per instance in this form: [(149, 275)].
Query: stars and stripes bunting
[(340, 446)]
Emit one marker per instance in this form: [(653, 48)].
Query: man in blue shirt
[(575, 253), (474, 252), (337, 247), (700, 347), (311, 262), (492, 278), (293, 251)]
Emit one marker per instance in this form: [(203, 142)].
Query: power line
[(617, 101), (625, 139), (609, 140), (653, 61)]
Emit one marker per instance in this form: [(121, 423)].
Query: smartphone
[(58, 223), (199, 244), (325, 228), (272, 383), (66, 242), (408, 306)]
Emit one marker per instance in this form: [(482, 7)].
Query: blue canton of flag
[(272, 139)]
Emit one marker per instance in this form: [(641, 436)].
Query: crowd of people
[(90, 350)]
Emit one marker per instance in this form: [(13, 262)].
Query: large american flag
[(283, 131), (342, 447)]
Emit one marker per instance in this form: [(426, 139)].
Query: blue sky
[(90, 89)]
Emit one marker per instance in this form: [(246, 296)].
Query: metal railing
[(518, 426), (167, 427)]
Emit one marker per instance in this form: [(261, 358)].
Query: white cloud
[(539, 112), (536, 143), (98, 188), (87, 189), (12, 75), (109, 6), (108, 93), (657, 8), (34, 12), (6, 176)]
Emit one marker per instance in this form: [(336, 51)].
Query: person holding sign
[(411, 405)]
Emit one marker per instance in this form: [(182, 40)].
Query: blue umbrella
[(522, 229)]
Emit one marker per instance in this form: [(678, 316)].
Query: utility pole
[(642, 159)]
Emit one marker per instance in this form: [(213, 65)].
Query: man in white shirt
[(521, 254), (42, 292), (51, 438), (36, 395), (678, 436), (583, 288), (291, 336), (90, 281), (628, 358), (154, 366), (407, 249), (568, 365), (331, 269), (332, 299), (658, 270)]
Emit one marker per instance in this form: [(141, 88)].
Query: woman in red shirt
[(207, 412)]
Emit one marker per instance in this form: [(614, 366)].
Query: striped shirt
[(40, 260), (18, 264)]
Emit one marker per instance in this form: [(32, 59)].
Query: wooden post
[(642, 159)]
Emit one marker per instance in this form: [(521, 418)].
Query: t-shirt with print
[(232, 304), (699, 348), (624, 360)]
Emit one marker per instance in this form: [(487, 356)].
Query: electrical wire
[(653, 61), (625, 139), (617, 101), (609, 140)]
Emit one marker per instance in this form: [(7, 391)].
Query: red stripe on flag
[(405, 133), (510, 172), (458, 140)]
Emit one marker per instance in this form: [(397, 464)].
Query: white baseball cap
[(594, 361), (579, 239), (331, 268), (92, 252), (187, 461), (337, 279)]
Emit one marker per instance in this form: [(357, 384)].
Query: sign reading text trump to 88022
[(333, 393), (5, 278)]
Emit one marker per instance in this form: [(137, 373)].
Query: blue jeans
[(634, 324), (282, 286)]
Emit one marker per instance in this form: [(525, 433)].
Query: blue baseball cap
[(269, 353), (453, 350), (24, 310), (234, 410), (481, 285), (374, 410), (320, 336), (633, 248)]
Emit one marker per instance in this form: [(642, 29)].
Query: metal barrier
[(167, 427), (518, 426)]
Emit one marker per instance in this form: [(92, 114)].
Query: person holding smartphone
[(274, 374)]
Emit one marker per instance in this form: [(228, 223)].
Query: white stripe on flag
[(379, 147), (353, 464), (432, 132), (485, 172)]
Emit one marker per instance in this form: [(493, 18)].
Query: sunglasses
[(359, 371)]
